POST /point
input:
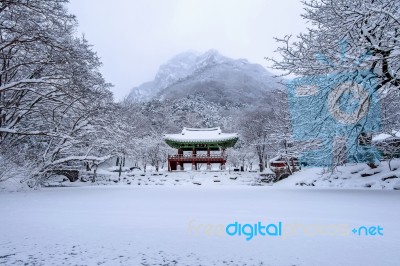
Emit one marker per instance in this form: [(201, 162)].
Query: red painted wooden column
[(194, 164), (208, 159), (223, 160)]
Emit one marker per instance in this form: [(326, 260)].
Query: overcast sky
[(134, 37)]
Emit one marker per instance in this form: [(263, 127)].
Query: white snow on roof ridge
[(201, 134), (201, 129)]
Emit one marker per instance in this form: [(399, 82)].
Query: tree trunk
[(261, 162), (94, 173)]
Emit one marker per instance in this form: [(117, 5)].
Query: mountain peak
[(184, 64), (211, 57), (195, 71)]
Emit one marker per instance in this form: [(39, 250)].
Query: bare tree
[(355, 43), (53, 100)]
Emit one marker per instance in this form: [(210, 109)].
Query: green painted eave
[(201, 145)]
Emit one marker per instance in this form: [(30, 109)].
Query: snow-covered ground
[(180, 225), (180, 219), (348, 176)]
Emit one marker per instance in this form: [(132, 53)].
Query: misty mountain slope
[(215, 77), (175, 69)]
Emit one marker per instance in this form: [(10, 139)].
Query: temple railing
[(197, 157)]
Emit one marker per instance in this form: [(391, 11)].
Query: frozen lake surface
[(167, 225)]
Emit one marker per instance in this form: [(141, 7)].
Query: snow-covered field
[(349, 176), (180, 225)]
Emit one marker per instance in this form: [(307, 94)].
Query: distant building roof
[(385, 136)]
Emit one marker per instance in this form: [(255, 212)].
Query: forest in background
[(57, 112)]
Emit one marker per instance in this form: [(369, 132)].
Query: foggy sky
[(134, 37)]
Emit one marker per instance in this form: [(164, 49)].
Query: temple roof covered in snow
[(210, 137)]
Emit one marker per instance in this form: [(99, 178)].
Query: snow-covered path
[(120, 225)]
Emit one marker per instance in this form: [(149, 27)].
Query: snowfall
[(180, 219)]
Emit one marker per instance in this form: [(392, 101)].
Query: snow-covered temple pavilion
[(199, 146)]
